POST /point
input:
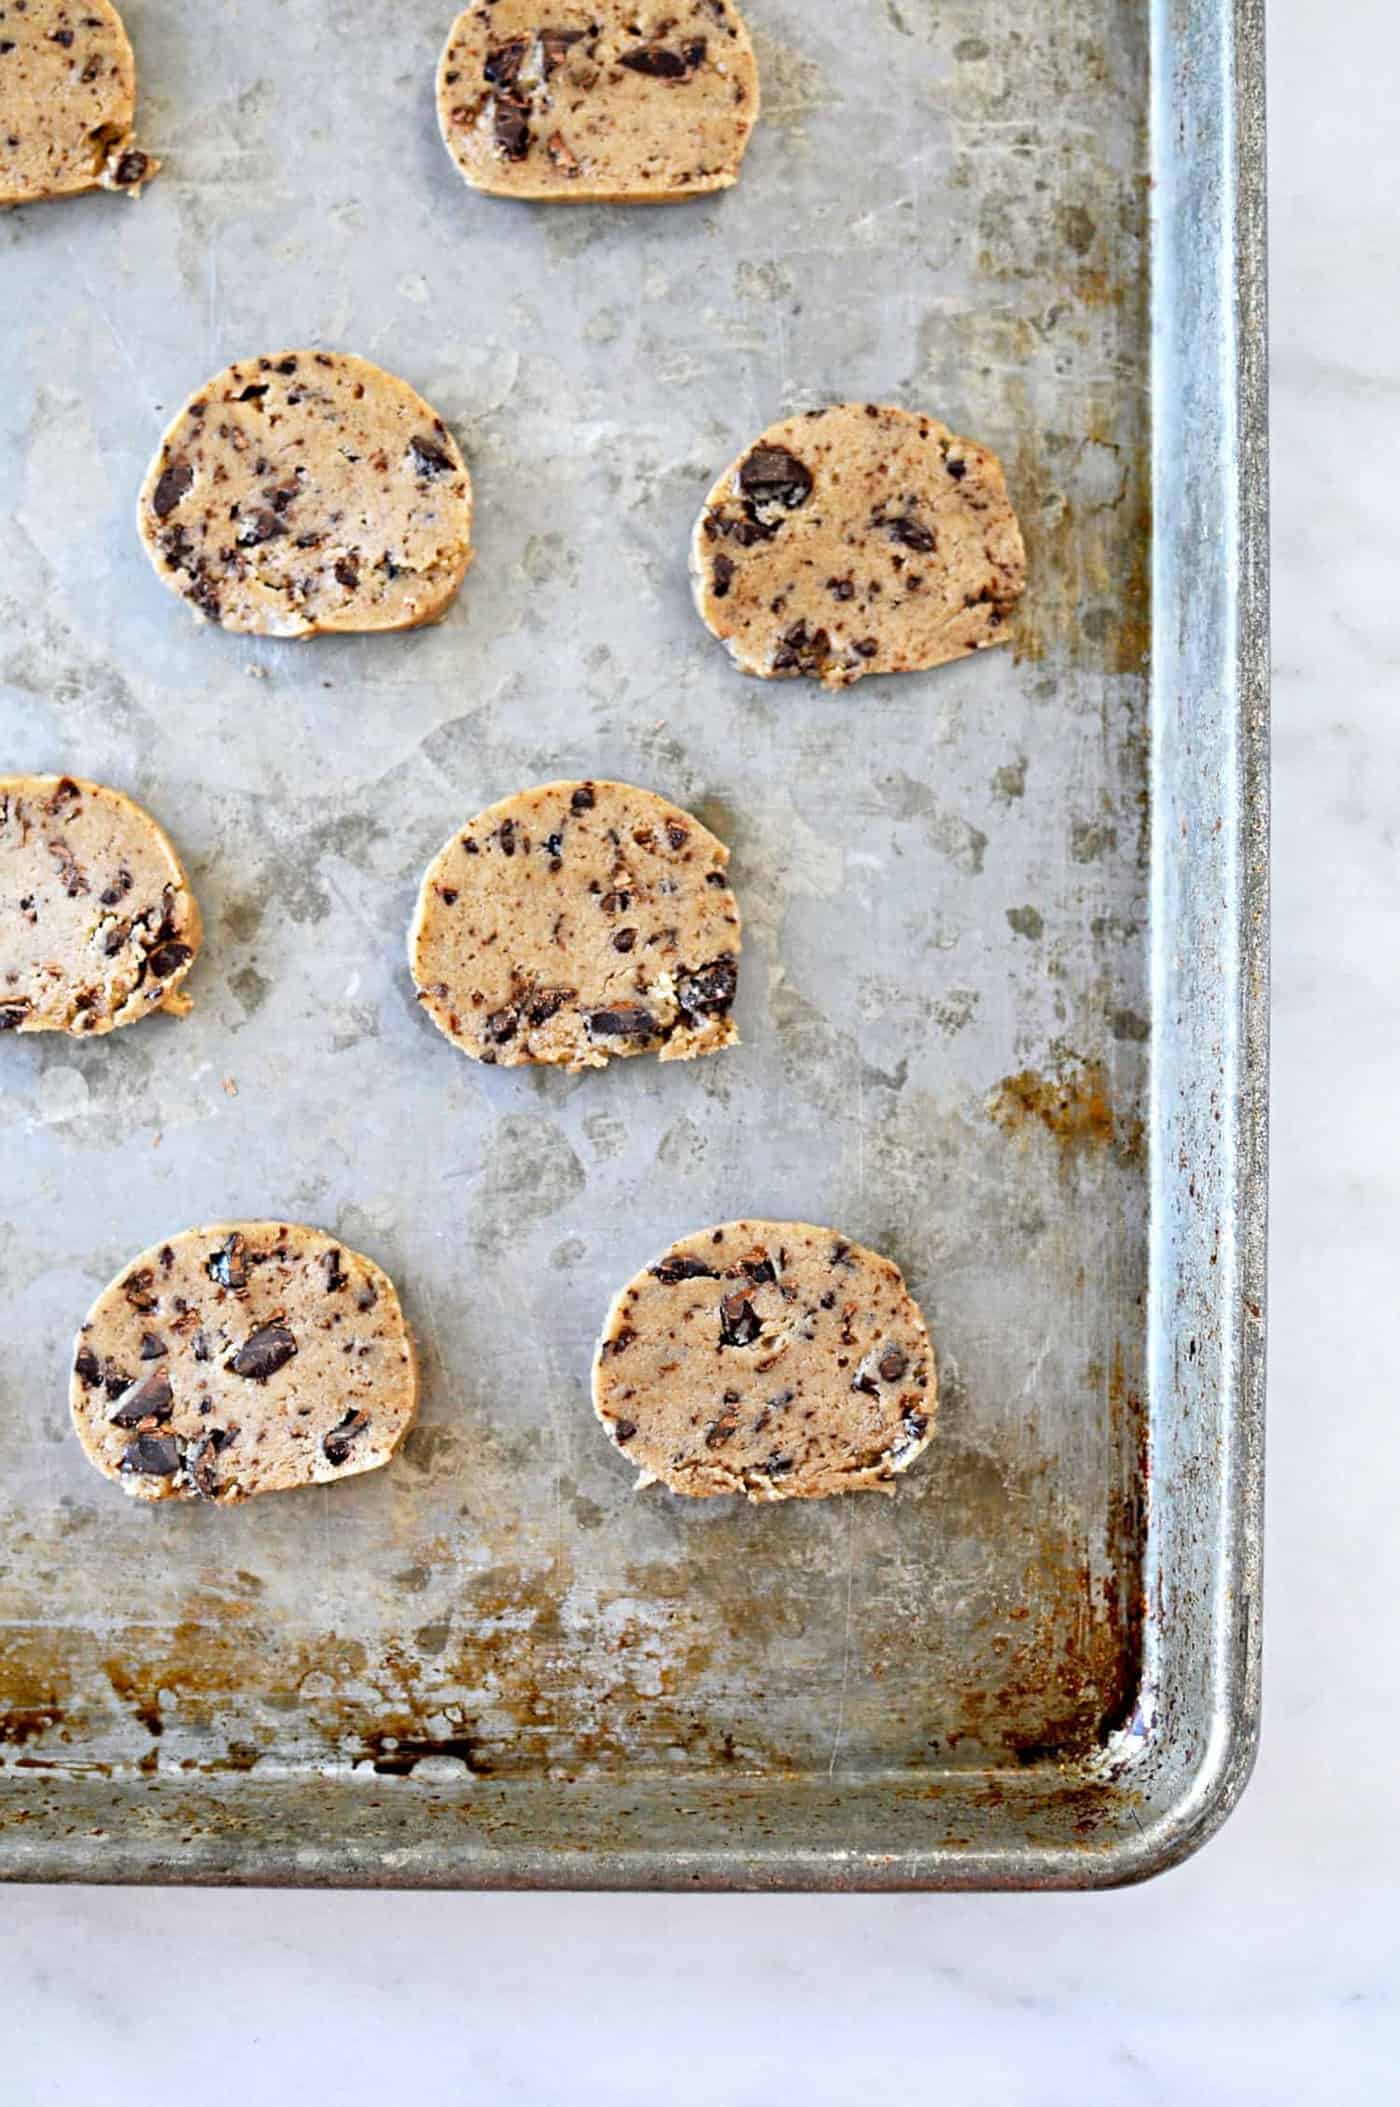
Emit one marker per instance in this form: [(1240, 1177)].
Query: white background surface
[(1265, 1971)]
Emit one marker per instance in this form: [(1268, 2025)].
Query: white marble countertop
[(1265, 1970)]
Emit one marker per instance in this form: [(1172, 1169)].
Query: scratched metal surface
[(493, 1662)]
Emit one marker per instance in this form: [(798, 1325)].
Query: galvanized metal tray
[(1003, 1002)]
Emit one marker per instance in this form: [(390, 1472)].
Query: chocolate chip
[(722, 575), (153, 1347), (615, 903), (12, 1015), (894, 1363), (915, 1423), (583, 799), (176, 483), (258, 528), (722, 1430), (778, 1466), (716, 878), (367, 1296), (843, 588), (761, 1271), (254, 392), (167, 959), (336, 1276), (739, 1322), (866, 647), (506, 836), (512, 127), (432, 459), (335, 1446), (200, 1346), (131, 168), (621, 1339), (623, 1023), (623, 1430), (137, 1289), (117, 890), (711, 990), (556, 44), (266, 1350), (501, 1027), (625, 940), (554, 848), (150, 1398), (867, 1384), (672, 1271), (956, 468), (347, 573), (63, 37), (676, 836), (201, 1460), (772, 476), (545, 1003), (87, 1368), (740, 527), (229, 1264), (152, 1456)]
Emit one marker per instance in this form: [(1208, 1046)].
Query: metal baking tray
[(1003, 999)]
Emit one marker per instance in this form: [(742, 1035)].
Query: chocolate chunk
[(254, 392), (335, 1446), (915, 1423), (739, 1322), (659, 63), (512, 128), (625, 940), (623, 1430), (672, 1271), (131, 168), (87, 1368), (761, 1271), (259, 527), (367, 1296), (556, 44), (910, 534), (545, 1003), (867, 1385), (153, 1347), (722, 1430), (336, 1276), (266, 1350), (202, 1459), (677, 837), (432, 459), (137, 1289), (200, 1347), (506, 835), (802, 651), (894, 1364), (502, 1026), (956, 468), (711, 990), (167, 959), (152, 1456), (346, 573), (583, 799), (630, 1022), (229, 1264), (175, 484), (743, 528), (770, 476), (12, 1015), (150, 1398), (63, 37), (615, 903), (503, 65), (722, 573), (778, 1466)]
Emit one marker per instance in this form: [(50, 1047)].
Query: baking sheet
[(494, 1662)]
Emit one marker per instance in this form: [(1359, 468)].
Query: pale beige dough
[(98, 925), (244, 1358), (577, 922), (772, 1359), (305, 492), (857, 540), (598, 100), (67, 102)]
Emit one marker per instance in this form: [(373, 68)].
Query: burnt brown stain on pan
[(1070, 1101)]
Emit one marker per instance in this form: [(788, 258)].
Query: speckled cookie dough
[(857, 540), (604, 101), (306, 492), (67, 102), (771, 1359), (98, 925), (575, 923), (245, 1358)]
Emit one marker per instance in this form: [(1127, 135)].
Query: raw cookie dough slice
[(857, 540), (553, 99), (306, 492), (67, 101), (244, 1358), (98, 925), (577, 922), (767, 1358)]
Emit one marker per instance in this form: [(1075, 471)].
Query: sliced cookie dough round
[(98, 925), (772, 1359), (67, 102), (577, 922), (307, 492), (602, 101), (244, 1358), (857, 540)]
